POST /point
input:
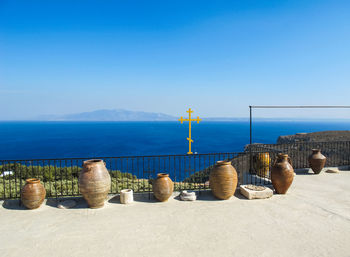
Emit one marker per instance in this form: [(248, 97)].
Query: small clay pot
[(126, 196), (223, 180), (94, 183), (163, 187), (317, 161), (33, 193), (282, 174)]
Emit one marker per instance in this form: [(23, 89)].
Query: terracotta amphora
[(223, 180), (317, 161), (94, 183), (282, 174), (33, 193), (163, 187)]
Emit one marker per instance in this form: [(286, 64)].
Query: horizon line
[(208, 119)]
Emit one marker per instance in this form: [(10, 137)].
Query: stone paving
[(312, 219)]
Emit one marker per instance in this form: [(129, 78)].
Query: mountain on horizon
[(126, 115), (110, 115)]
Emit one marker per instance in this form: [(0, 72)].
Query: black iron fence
[(337, 153), (60, 176), (189, 172)]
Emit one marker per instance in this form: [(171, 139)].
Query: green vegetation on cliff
[(63, 181)]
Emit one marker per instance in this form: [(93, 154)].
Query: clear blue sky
[(217, 57)]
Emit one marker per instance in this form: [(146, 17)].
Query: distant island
[(127, 115), (122, 115), (109, 115)]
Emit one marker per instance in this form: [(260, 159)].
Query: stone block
[(255, 192), (188, 196), (332, 170)]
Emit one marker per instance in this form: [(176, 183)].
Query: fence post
[(250, 140)]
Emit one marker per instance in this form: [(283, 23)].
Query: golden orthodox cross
[(189, 133)]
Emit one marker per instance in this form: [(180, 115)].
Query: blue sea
[(30, 140)]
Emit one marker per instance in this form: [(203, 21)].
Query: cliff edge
[(322, 136)]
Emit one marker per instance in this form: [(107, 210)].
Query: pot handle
[(290, 161), (275, 161)]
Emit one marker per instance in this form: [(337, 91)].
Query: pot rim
[(93, 161), (162, 175), (316, 150), (32, 180), (126, 191), (222, 162)]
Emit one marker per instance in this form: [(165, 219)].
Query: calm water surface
[(26, 140)]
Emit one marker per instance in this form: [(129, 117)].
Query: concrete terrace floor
[(312, 219)]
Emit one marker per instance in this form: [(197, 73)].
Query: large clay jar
[(223, 180), (282, 174), (163, 187), (317, 161), (94, 183), (33, 193)]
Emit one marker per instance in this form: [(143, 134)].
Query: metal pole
[(250, 124), (250, 140), (301, 106)]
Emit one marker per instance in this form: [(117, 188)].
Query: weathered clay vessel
[(94, 183), (282, 174), (126, 196), (33, 193), (317, 161), (262, 164), (223, 180), (163, 187)]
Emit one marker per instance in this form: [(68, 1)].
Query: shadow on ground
[(208, 196), (138, 197), (305, 171), (240, 196), (80, 202), (13, 205)]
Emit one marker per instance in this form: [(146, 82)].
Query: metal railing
[(337, 153), (189, 172), (60, 176)]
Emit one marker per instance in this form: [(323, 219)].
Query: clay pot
[(317, 161), (126, 196), (33, 193), (94, 183), (163, 187), (282, 174), (223, 180), (262, 164)]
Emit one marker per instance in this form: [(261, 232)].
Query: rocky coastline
[(322, 136)]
